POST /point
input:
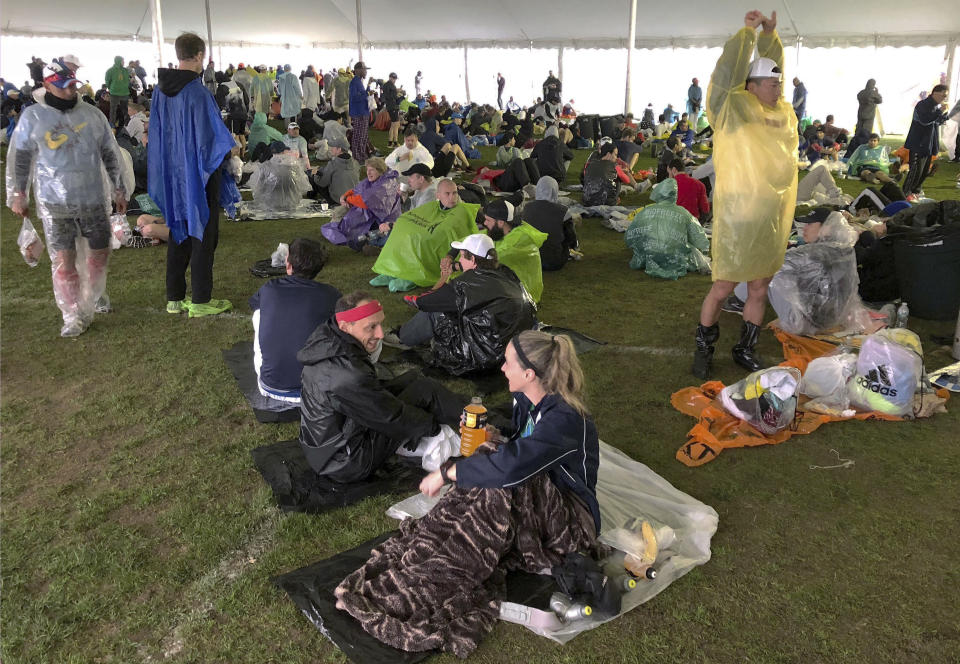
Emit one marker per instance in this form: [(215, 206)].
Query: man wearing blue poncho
[(188, 144)]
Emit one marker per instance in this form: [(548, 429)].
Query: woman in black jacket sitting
[(523, 501)]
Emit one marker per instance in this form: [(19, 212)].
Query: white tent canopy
[(500, 23), (840, 44)]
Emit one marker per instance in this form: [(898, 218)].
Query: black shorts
[(237, 127), (62, 232), (394, 114)]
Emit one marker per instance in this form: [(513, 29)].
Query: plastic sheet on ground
[(615, 217), (306, 209), (626, 490)]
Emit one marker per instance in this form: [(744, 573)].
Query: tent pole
[(951, 61), (466, 75), (560, 65), (627, 102), (156, 31), (209, 32), (359, 33)]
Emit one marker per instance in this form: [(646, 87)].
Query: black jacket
[(550, 154), (481, 311), (347, 415), (549, 217), (564, 444), (601, 186)]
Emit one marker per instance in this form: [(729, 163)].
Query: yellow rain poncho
[(755, 157)]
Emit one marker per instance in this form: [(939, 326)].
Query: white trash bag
[(825, 382)]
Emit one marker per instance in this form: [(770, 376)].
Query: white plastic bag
[(121, 232), (825, 382), (439, 448), (31, 246), (279, 257), (888, 371)]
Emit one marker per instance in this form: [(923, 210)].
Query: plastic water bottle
[(568, 610), (473, 432), (903, 314)]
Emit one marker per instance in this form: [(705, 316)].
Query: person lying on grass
[(523, 500)]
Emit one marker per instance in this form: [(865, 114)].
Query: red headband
[(358, 313)]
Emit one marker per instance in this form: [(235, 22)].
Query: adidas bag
[(888, 370)]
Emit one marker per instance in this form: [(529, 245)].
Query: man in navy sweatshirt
[(286, 311)]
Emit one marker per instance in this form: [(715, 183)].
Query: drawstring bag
[(766, 399), (888, 371)]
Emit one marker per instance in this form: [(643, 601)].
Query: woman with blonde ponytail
[(524, 500)]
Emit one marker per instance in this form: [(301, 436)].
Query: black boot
[(743, 353), (703, 356)]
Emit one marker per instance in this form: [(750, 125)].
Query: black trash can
[(928, 271)]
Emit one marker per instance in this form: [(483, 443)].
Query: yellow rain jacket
[(755, 157)]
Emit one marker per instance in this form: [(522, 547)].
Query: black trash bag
[(926, 215), (492, 307), (265, 269)]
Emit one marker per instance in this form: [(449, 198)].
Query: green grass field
[(135, 528)]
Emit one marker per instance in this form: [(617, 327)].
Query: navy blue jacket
[(923, 139), (564, 444)]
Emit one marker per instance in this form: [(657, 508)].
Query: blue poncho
[(188, 142)]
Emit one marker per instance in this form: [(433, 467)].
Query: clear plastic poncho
[(865, 156), (74, 167), (279, 184), (816, 288), (756, 164), (665, 237)]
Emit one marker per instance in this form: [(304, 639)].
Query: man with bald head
[(421, 237), (351, 421)]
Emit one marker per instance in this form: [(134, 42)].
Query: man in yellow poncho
[(755, 143)]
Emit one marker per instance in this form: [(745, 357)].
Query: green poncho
[(421, 237), (519, 250), (867, 157), (261, 132), (663, 236)]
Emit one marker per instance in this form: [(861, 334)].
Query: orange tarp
[(718, 430)]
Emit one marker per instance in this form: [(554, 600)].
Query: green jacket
[(118, 79), (421, 237), (520, 251), (261, 132)]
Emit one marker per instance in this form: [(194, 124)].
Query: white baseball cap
[(71, 59), (477, 244), (764, 68)]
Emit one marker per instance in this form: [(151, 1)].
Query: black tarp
[(239, 360)]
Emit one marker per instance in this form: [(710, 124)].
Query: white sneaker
[(73, 328)]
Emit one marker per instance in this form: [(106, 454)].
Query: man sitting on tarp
[(286, 311), (517, 244), (471, 319), (351, 422), (665, 238), (420, 238)]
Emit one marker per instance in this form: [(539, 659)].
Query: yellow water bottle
[(473, 430)]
